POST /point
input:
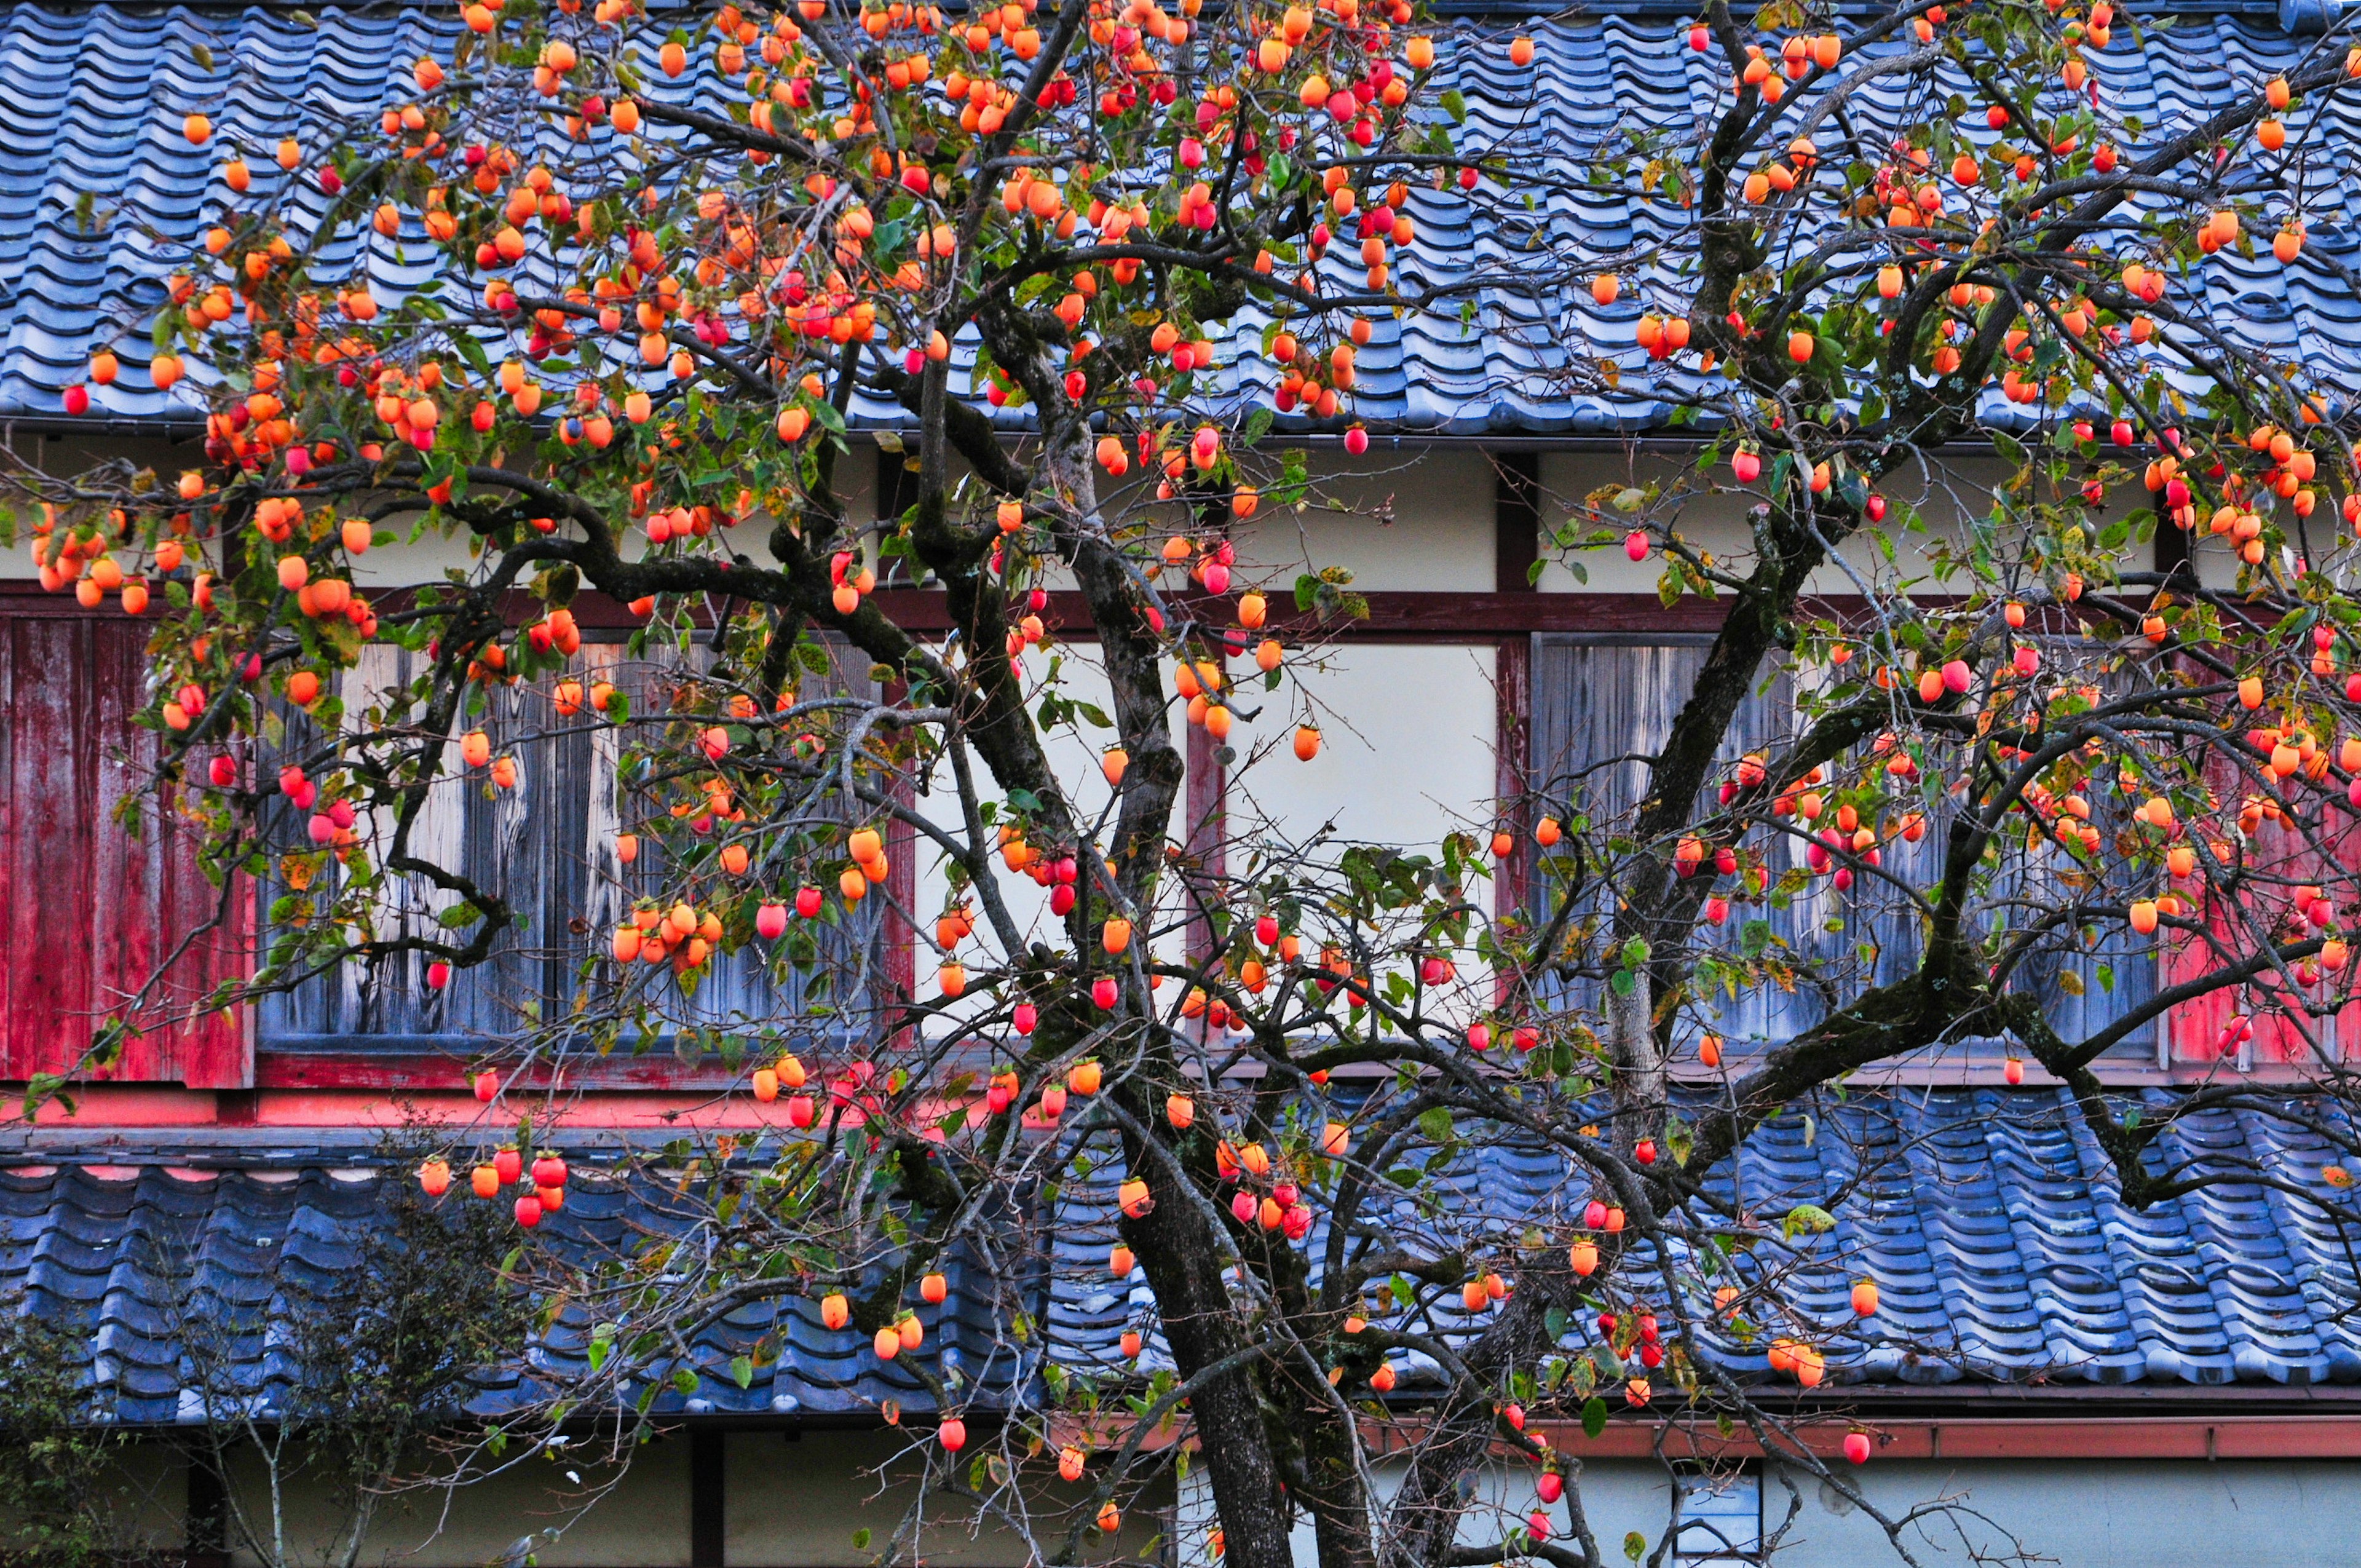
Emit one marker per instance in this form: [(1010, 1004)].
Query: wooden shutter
[(549, 846), (2201, 1032), (93, 910), (1599, 698), (1600, 703)]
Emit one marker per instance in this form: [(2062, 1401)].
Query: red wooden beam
[(1400, 616), (2013, 1438), (1439, 617), (2032, 1438), (364, 1067)]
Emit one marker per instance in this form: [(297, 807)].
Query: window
[(549, 845), (1720, 1520), (1602, 703)]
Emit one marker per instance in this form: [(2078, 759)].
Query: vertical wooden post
[(1516, 520), (204, 1522), (898, 956), (898, 943), (2173, 551), (896, 486), (1516, 533), (1511, 764), (707, 1497), (1207, 827)]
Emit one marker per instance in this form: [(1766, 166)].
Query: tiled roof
[(116, 1251), (100, 194), (1987, 1219)]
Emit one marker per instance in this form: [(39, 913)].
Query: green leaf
[(1454, 105), (1808, 1219), (741, 1368), (1593, 1416)]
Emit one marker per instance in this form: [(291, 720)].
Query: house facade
[(2092, 1385)]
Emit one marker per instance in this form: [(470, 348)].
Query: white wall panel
[(1407, 747)]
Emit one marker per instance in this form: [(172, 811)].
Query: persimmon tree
[(359, 1414), (1093, 253), (71, 1501)]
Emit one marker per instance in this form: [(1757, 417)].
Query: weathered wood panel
[(1603, 702), (747, 991), (549, 846), (528, 844), (92, 909), (2247, 1027)]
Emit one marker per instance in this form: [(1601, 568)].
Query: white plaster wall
[(1406, 752), (1941, 492), (400, 564), (2098, 1514), (1619, 1498), (641, 1523), (1416, 518), (788, 1504), (1075, 751), (1400, 517), (58, 455), (1417, 521), (140, 1495), (1406, 756), (798, 1505)]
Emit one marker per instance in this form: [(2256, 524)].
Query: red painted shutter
[(91, 910), (2246, 1026)]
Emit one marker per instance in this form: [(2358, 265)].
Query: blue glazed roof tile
[(1990, 1221), (91, 98)]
